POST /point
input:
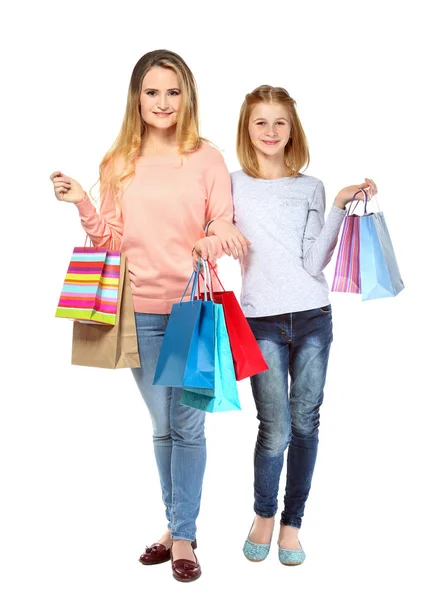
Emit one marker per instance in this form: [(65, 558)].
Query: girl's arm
[(320, 236)]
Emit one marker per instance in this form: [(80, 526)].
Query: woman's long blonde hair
[(297, 153), (118, 165)]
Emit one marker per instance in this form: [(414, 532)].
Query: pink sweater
[(164, 211)]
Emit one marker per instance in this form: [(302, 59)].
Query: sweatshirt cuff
[(85, 207)]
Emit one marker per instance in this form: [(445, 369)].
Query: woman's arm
[(105, 228)]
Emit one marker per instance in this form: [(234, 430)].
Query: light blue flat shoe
[(291, 557), (255, 552)]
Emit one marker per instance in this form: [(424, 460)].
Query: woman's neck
[(159, 142), (272, 167)]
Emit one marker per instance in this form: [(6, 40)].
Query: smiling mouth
[(160, 114), (270, 142)]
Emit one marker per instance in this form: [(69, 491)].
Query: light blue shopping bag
[(224, 396), (187, 356), (380, 276)]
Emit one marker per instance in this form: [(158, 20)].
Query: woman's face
[(269, 128), (160, 98)]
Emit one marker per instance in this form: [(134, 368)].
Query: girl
[(285, 299), (160, 185)]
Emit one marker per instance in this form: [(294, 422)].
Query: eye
[(173, 93), (261, 123), (151, 93), (281, 123)]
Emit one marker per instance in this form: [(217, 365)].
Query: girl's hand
[(203, 249), (346, 194), (234, 243), (66, 188)]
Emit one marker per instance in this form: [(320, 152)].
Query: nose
[(163, 103)]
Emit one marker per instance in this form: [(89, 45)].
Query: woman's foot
[(288, 538), (166, 539), (184, 563), (182, 549), (159, 552)]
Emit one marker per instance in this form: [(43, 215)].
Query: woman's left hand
[(203, 249), (347, 194)]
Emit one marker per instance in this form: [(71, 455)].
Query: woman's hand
[(66, 188), (203, 249), (346, 194), (234, 243)]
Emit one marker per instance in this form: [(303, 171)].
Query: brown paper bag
[(105, 346)]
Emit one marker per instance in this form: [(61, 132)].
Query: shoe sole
[(291, 564), (156, 562), (186, 580)]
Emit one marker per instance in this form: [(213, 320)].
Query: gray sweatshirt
[(291, 245)]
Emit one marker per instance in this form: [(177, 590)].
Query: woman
[(160, 184), (285, 298)]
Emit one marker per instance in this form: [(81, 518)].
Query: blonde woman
[(285, 298), (160, 185)]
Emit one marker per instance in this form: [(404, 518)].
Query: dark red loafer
[(155, 554), (186, 570), (158, 553)]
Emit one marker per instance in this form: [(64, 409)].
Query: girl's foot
[(288, 538), (262, 529)]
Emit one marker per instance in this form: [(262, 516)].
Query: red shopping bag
[(247, 357)]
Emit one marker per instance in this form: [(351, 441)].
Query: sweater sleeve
[(105, 228), (219, 204), (320, 236)]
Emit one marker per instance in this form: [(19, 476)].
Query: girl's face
[(160, 98), (269, 128)]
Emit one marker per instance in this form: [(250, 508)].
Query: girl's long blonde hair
[(118, 164), (297, 153)]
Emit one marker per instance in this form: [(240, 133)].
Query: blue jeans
[(299, 344), (178, 433)]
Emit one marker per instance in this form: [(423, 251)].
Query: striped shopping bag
[(347, 276), (90, 290)]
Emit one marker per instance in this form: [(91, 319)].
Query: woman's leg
[(270, 391), (309, 351), (150, 331), (187, 467)]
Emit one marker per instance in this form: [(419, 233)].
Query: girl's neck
[(159, 142), (272, 167)]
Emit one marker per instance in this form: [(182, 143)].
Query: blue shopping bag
[(187, 355), (224, 396), (380, 276)]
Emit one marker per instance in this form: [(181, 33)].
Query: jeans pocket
[(325, 310)]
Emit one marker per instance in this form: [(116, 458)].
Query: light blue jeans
[(178, 433)]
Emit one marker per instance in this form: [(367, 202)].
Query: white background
[(80, 494)]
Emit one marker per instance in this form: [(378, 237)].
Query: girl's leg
[(270, 391), (150, 331), (310, 347)]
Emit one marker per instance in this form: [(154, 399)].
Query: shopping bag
[(224, 395), (247, 357), (380, 275), (109, 347), (90, 290), (187, 356), (347, 277)]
